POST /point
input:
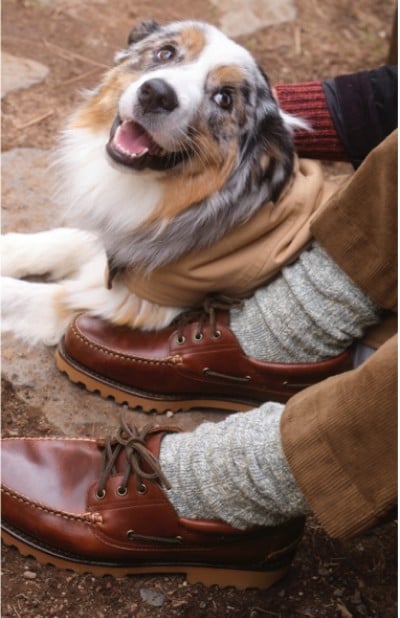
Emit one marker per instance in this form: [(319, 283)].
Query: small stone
[(323, 571), (152, 597), (30, 575), (19, 73)]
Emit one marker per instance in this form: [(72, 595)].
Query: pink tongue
[(131, 138)]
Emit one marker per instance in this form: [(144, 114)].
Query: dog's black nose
[(155, 95)]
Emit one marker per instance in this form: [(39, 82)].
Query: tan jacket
[(248, 255)]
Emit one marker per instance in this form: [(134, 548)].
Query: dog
[(182, 142)]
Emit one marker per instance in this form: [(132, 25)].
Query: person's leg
[(356, 410), (340, 441), (234, 471), (357, 227), (310, 312)]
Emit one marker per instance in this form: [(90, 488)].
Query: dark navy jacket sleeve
[(363, 107)]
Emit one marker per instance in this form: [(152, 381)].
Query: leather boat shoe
[(196, 362), (100, 507)]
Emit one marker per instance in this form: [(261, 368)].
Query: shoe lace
[(130, 440), (207, 312)]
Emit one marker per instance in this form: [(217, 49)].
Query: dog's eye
[(166, 53), (224, 99)]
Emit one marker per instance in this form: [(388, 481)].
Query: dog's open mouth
[(131, 145)]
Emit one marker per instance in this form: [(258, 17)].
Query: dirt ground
[(77, 39)]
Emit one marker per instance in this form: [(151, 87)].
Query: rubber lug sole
[(239, 579), (135, 400)]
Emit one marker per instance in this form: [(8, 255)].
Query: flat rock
[(69, 408), (239, 18), (19, 73), (27, 203)]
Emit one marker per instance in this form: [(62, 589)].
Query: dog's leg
[(57, 253), (32, 311), (118, 305), (40, 312)]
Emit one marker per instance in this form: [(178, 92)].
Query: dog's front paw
[(29, 311), (16, 260)]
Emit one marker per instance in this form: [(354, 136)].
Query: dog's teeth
[(133, 155)]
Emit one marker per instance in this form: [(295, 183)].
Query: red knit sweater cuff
[(307, 100)]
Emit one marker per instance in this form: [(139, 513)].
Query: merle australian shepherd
[(182, 141)]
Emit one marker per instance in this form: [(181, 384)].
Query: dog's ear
[(138, 33), (291, 122), (142, 30)]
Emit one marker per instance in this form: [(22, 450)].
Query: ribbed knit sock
[(234, 471), (307, 100), (311, 311)]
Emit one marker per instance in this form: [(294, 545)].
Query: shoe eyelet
[(180, 340), (122, 491), (142, 489), (198, 336), (100, 495), (217, 334)]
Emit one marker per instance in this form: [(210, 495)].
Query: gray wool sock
[(234, 471), (310, 312)]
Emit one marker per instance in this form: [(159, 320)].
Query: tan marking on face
[(233, 77), (194, 42), (226, 75), (100, 111)]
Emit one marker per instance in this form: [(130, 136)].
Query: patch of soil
[(77, 41)]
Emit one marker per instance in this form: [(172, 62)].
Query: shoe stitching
[(176, 359), (48, 438), (87, 518)]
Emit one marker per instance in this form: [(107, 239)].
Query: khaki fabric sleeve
[(340, 440)]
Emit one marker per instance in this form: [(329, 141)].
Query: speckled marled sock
[(310, 312), (234, 471)]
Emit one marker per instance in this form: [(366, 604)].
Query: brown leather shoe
[(192, 364), (99, 506)]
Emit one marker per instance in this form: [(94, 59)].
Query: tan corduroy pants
[(340, 436)]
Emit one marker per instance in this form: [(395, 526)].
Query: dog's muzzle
[(132, 145)]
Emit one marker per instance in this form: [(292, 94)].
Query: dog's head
[(192, 107)]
